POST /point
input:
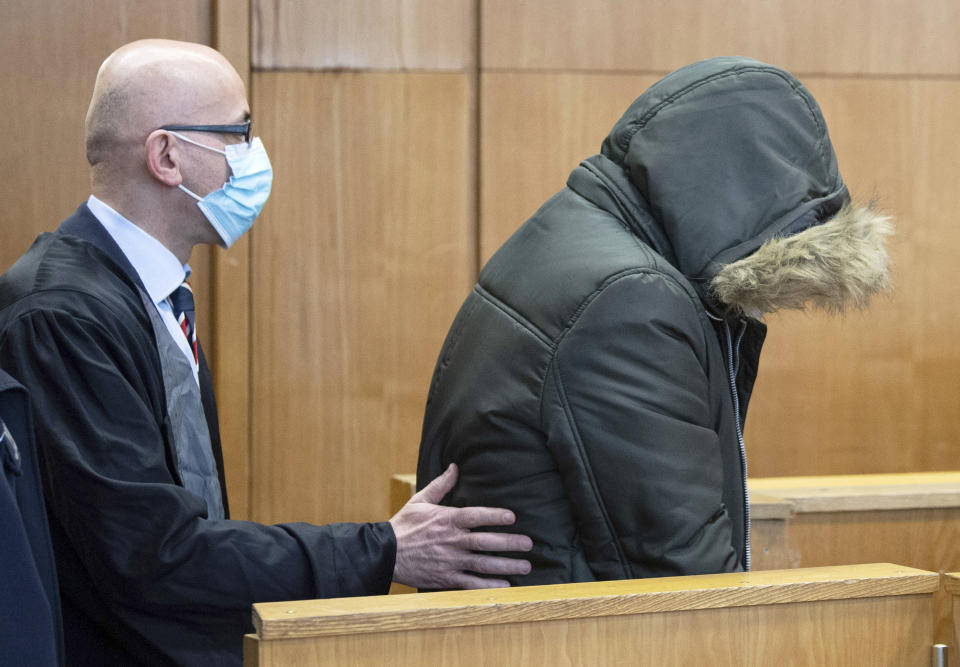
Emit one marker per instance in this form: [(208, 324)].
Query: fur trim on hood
[(831, 266)]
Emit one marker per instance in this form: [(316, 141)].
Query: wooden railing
[(874, 614), (910, 518)]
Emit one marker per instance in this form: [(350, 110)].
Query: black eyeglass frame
[(236, 128)]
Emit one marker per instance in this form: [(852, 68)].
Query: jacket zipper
[(733, 363)]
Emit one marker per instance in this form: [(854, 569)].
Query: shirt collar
[(158, 268)]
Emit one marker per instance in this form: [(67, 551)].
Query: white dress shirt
[(159, 269)]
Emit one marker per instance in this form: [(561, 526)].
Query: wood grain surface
[(566, 601), (859, 37), (363, 34), (361, 259), (866, 615), (839, 633)]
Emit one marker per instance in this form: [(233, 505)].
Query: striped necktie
[(181, 300)]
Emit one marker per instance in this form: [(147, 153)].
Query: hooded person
[(596, 379)]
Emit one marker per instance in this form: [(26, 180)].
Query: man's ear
[(162, 158)]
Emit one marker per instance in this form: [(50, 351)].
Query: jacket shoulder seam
[(610, 280), (622, 197), (514, 315)]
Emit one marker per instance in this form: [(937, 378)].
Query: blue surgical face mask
[(232, 208)]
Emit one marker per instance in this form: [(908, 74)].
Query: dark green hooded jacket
[(590, 382)]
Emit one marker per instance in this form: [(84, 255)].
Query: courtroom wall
[(411, 137), (366, 248)]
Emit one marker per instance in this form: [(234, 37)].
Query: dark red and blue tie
[(181, 300)]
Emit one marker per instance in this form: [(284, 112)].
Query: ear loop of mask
[(195, 143)]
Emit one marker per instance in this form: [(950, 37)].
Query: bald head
[(155, 82)]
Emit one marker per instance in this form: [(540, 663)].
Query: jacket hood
[(727, 153)]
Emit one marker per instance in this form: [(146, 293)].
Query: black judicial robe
[(145, 577)]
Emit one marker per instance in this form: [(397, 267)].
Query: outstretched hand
[(436, 548)]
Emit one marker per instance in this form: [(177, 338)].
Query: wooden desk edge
[(311, 618), (764, 507), (951, 582), (863, 479), (857, 493)]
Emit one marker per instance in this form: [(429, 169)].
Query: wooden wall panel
[(361, 259), (870, 392), (535, 128), (826, 36), (230, 353), (363, 34)]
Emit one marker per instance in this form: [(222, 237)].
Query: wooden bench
[(909, 518)]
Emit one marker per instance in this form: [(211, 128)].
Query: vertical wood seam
[(476, 133), (250, 287)]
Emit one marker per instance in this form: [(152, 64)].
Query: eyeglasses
[(239, 128)]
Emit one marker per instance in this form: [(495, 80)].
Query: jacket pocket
[(710, 550)]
